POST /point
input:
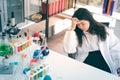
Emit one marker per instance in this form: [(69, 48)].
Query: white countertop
[(64, 68), (68, 69)]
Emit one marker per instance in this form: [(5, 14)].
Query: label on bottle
[(12, 21)]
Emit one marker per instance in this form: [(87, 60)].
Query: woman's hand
[(74, 23)]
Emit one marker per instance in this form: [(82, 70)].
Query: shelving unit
[(45, 17)]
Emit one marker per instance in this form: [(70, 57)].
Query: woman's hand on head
[(74, 23)]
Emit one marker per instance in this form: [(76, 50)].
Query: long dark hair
[(96, 28)]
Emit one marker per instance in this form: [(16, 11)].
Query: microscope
[(12, 30)]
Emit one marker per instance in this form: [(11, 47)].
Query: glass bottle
[(5, 50)]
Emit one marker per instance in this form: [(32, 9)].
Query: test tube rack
[(38, 72), (22, 44)]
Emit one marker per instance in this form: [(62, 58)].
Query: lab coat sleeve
[(114, 48), (70, 42)]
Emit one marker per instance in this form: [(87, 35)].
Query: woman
[(92, 42)]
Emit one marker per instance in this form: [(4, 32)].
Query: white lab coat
[(110, 49)]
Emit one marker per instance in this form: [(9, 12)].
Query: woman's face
[(83, 25)]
